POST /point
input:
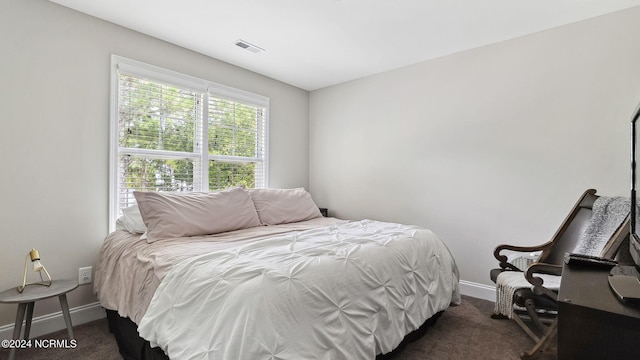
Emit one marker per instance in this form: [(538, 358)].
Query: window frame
[(207, 88)]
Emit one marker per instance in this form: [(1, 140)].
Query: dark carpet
[(462, 332)]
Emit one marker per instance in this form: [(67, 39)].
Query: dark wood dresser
[(593, 323)]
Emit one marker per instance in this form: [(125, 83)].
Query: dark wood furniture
[(592, 322), (539, 302)]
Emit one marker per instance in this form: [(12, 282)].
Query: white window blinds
[(172, 132), (236, 133)]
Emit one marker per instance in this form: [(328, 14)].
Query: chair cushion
[(493, 274), (521, 295), (541, 301)]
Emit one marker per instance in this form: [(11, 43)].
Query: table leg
[(17, 328), (27, 325), (67, 316)]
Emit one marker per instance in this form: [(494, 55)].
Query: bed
[(286, 283)]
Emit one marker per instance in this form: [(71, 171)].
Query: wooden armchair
[(537, 305)]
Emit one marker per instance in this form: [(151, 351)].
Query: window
[(173, 132)]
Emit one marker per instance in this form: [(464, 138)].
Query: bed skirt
[(133, 347)]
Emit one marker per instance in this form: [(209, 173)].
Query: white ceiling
[(312, 44)]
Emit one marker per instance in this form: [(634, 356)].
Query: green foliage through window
[(161, 131)]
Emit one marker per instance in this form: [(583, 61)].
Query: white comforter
[(348, 291)]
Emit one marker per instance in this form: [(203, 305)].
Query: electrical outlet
[(85, 275)]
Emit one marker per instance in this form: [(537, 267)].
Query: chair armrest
[(504, 263), (538, 282)]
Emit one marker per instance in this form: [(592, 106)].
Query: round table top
[(37, 292)]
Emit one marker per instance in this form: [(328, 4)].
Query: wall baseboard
[(49, 323), (480, 291)]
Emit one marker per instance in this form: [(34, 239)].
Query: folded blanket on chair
[(509, 281), (607, 216)]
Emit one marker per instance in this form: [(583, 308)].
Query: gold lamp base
[(37, 267)]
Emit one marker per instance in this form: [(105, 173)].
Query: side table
[(26, 301)]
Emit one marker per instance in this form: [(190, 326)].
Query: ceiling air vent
[(248, 46)]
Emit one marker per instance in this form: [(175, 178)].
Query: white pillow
[(189, 214), (131, 220), (281, 206)]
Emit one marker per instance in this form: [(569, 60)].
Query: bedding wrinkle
[(345, 290), (129, 270)]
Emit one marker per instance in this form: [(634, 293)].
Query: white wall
[(54, 134), (488, 146)]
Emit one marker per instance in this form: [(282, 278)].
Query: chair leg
[(530, 305), (541, 345), (526, 328)]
